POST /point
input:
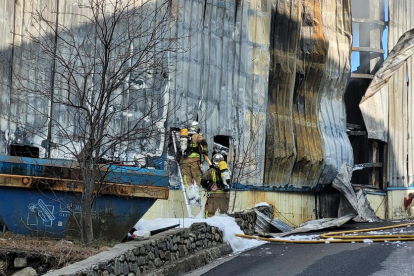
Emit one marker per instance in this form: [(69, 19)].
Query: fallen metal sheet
[(262, 226), (374, 105), (317, 225), (280, 225), (396, 58), (359, 202)]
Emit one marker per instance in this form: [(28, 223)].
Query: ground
[(58, 252)]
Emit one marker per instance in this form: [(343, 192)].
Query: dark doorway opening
[(221, 145)]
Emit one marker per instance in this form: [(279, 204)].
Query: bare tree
[(103, 94), (245, 160)]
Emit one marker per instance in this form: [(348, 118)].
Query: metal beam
[(362, 76), (368, 165), (356, 132), (369, 21), (368, 49), (118, 189)]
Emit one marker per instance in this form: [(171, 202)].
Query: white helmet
[(194, 128), (217, 158)]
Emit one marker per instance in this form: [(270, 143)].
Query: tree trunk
[(86, 216)]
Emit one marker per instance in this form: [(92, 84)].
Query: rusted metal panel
[(67, 185), (280, 141), (306, 114), (311, 58)]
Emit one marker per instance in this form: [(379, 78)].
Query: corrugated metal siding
[(307, 142), (6, 31), (226, 67), (231, 49), (332, 115), (280, 140), (400, 101), (31, 68)]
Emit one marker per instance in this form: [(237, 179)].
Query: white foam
[(225, 223)]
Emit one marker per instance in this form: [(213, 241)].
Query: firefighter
[(216, 181), (192, 150)]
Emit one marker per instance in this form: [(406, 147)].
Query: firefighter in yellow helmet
[(193, 145), (216, 181)]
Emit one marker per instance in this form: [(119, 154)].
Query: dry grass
[(63, 252)]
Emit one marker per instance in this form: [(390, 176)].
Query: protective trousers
[(217, 201), (190, 171)]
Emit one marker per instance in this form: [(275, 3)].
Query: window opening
[(23, 151)]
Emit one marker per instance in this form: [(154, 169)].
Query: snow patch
[(225, 223), (262, 204), (368, 241)]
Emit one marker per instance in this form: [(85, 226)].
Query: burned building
[(270, 80)]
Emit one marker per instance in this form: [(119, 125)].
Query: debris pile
[(248, 219)]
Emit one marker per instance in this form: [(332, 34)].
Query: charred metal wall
[(275, 70), (306, 139)]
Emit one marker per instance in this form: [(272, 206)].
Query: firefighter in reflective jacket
[(217, 183), (192, 150)]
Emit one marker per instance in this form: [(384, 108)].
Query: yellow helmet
[(222, 165), (184, 132)]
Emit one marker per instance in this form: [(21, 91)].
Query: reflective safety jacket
[(213, 182), (196, 146)]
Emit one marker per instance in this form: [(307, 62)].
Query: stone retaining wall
[(152, 256)]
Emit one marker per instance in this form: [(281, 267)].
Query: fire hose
[(338, 237)]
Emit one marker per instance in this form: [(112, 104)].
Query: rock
[(130, 256), (198, 227), (151, 265), (27, 271), (20, 262), (181, 249), (156, 252), (217, 237), (162, 254), (125, 268), (135, 269), (110, 268), (117, 266), (176, 238), (157, 262), (141, 261), (105, 273), (151, 256)]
